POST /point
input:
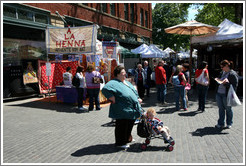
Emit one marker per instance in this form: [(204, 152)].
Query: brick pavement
[(43, 132)]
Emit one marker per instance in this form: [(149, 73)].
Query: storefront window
[(9, 12), (25, 15), (16, 51), (41, 18)]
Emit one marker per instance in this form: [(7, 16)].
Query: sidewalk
[(35, 131)]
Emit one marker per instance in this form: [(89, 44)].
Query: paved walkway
[(48, 132)]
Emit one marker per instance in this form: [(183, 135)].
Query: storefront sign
[(109, 49), (71, 40)]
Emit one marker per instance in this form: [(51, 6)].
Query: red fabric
[(199, 72), (57, 69), (160, 75), (181, 79)]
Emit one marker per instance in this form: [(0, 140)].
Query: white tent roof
[(168, 50), (228, 30), (145, 51), (183, 55), (161, 53)]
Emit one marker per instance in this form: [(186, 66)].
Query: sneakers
[(219, 126), (185, 109), (82, 108), (123, 146), (228, 126)]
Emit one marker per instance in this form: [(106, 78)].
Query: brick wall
[(92, 13)]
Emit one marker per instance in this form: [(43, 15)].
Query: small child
[(157, 125)]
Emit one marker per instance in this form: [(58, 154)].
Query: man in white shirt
[(67, 77)]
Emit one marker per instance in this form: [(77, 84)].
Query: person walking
[(140, 80), (226, 78), (93, 88), (161, 81), (178, 80), (125, 106), (202, 88), (147, 75), (80, 75)]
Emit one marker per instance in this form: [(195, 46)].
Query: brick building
[(24, 28)]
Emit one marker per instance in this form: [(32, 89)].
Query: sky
[(191, 15)]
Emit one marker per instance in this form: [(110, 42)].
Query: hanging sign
[(48, 69), (109, 49), (72, 40)]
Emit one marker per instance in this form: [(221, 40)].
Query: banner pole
[(47, 53)]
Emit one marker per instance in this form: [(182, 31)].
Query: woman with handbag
[(93, 78), (202, 81), (227, 77)]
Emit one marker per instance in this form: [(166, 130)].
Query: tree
[(215, 13), (165, 15)]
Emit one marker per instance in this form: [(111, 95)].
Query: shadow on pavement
[(109, 124), (207, 131), (189, 113), (96, 150)]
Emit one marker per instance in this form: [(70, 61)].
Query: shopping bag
[(188, 86), (201, 79), (232, 99), (142, 129)]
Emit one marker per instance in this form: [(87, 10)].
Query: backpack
[(175, 80), (75, 81)]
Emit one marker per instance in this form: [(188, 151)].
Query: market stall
[(73, 47)]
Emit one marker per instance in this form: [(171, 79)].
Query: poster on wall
[(29, 75), (109, 49), (73, 40)]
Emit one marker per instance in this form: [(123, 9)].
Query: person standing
[(140, 79), (93, 89), (80, 75), (168, 71), (125, 106), (161, 81), (201, 88), (67, 77), (147, 75), (179, 81), (187, 77), (226, 78)]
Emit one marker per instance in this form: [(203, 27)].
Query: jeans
[(202, 94), (224, 110), (180, 91), (93, 94), (80, 97), (161, 92)]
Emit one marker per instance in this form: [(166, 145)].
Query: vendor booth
[(226, 43), (73, 47)]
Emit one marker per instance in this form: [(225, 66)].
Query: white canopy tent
[(186, 54), (146, 52), (161, 53), (228, 31)]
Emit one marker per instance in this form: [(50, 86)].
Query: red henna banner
[(71, 40)]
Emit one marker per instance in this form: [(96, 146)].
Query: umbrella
[(191, 28)]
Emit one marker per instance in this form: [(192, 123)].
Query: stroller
[(145, 131)]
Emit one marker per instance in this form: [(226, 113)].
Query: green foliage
[(165, 15), (215, 13)]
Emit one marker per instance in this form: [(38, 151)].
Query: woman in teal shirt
[(125, 106)]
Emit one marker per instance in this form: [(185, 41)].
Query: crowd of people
[(126, 94)]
